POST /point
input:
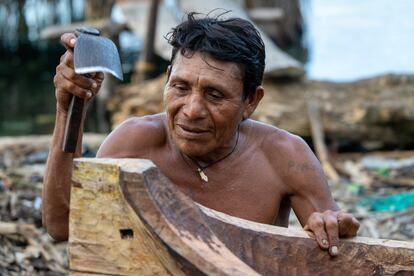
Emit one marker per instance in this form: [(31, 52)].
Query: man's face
[(204, 105)]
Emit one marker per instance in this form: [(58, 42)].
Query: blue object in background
[(394, 203)]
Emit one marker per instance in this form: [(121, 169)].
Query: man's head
[(213, 84), (235, 40)]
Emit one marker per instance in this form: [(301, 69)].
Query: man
[(205, 142)]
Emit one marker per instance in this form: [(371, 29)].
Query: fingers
[(67, 59), (66, 79), (332, 231), (348, 225), (326, 230), (66, 86), (329, 226), (98, 78), (67, 82), (316, 224), (68, 40)]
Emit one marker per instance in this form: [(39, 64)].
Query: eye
[(215, 94), (180, 87)]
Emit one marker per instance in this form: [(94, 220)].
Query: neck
[(217, 156)]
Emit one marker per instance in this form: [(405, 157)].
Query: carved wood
[(104, 238), (128, 219)]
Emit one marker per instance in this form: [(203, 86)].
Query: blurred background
[(339, 74)]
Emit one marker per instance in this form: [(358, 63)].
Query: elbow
[(58, 230), (58, 234)]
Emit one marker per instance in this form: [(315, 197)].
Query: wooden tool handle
[(75, 112), (73, 124)]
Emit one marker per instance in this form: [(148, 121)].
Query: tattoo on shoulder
[(301, 166)]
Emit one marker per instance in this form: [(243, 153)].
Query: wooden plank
[(175, 219), (103, 236), (99, 214), (165, 232), (275, 250), (278, 63)]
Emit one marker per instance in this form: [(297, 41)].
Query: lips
[(191, 132), (192, 129)]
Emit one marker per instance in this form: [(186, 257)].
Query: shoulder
[(135, 137), (271, 138), (288, 154)]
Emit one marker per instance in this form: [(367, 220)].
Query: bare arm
[(306, 178), (56, 184), (311, 197)]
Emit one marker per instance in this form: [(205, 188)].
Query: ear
[(252, 102)]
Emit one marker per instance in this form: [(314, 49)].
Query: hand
[(68, 83), (329, 226)]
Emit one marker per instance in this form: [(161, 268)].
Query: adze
[(93, 53)]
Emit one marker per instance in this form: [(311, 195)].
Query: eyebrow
[(178, 78), (209, 84)]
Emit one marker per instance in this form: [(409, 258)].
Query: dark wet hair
[(234, 39)]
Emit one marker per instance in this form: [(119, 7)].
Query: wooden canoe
[(126, 218)]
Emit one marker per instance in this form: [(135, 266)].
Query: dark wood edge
[(205, 241), (179, 224)]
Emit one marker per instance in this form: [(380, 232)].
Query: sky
[(354, 39)]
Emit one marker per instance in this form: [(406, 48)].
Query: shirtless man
[(205, 142)]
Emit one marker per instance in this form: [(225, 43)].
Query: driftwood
[(25, 250), (375, 112), (318, 138), (126, 218), (30, 143)]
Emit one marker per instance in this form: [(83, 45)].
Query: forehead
[(205, 65)]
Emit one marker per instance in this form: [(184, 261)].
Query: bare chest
[(250, 189)]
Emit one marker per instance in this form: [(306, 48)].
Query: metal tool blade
[(92, 53), (95, 53)]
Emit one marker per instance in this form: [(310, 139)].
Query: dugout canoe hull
[(128, 219)]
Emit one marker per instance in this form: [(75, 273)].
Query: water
[(354, 39)]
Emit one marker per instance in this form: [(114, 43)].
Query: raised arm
[(312, 200), (56, 184)]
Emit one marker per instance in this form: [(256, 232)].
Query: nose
[(194, 107)]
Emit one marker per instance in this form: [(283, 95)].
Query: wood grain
[(100, 220), (128, 219)]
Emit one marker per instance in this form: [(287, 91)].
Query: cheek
[(170, 102), (226, 121)]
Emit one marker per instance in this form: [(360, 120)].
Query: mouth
[(191, 132)]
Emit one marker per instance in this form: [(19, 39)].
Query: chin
[(190, 145), (192, 148)]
